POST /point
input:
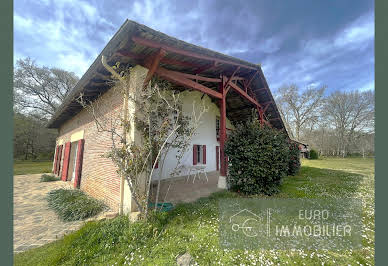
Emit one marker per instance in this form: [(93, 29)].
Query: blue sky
[(323, 42)]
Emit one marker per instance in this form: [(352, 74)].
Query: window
[(218, 127), (199, 154)]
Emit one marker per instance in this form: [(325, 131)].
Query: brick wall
[(99, 177)]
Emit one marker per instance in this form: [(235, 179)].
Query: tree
[(299, 109), (40, 89), (349, 113), (31, 139)]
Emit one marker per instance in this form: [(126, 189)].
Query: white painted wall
[(205, 135)]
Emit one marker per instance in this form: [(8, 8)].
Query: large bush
[(313, 155), (294, 160), (73, 204), (258, 158)]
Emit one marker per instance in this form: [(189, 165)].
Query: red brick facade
[(98, 174)]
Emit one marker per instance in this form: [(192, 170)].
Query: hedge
[(258, 158)]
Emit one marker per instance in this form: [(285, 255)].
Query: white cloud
[(56, 42)]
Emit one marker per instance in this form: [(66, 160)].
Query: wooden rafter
[(227, 84), (181, 79), (207, 67), (197, 77), (153, 63), (250, 80), (243, 93), (168, 48), (142, 57)]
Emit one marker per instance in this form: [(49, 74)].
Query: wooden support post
[(222, 178)]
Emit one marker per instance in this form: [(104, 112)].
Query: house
[(230, 88), (303, 148)]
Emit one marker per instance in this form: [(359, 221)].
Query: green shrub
[(48, 178), (73, 204), (258, 158), (294, 160), (313, 154)]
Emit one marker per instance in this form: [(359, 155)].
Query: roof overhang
[(135, 44)]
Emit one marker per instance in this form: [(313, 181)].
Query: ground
[(34, 223), (193, 228), (30, 167)]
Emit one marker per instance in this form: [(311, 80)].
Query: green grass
[(193, 228), (30, 167), (73, 204)]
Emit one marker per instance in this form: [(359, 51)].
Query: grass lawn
[(193, 228), (29, 167)]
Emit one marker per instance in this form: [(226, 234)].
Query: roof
[(304, 144), (133, 42)]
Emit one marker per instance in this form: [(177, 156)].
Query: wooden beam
[(178, 78), (266, 106), (130, 54), (153, 65), (207, 67), (142, 57), (171, 61), (226, 85), (238, 78), (222, 104), (197, 77), (250, 80), (244, 94), (168, 48)]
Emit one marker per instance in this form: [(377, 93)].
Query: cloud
[(296, 42)]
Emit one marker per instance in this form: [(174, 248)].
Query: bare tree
[(299, 109), (349, 113), (156, 114), (40, 89)]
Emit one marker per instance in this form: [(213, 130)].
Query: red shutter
[(195, 153), (218, 157), (204, 153), (56, 159), (78, 165), (59, 159), (66, 160)]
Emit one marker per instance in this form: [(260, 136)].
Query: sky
[(303, 42)]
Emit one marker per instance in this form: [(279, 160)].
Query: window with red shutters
[(199, 154)]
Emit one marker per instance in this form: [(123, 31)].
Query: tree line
[(340, 123)]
